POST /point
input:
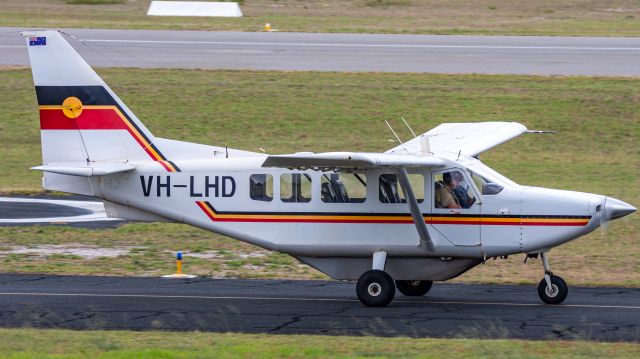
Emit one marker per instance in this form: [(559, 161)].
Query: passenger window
[(261, 187), (452, 190), (295, 187), (390, 191), (343, 187)]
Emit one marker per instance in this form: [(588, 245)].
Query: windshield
[(488, 181), (486, 187), (488, 174)]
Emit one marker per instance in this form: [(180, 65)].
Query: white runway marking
[(309, 299), (499, 47), (97, 209)]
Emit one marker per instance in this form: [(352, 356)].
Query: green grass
[(152, 250), (545, 17), (596, 150), (33, 343), (95, 2)]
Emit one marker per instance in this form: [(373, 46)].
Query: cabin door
[(455, 207)]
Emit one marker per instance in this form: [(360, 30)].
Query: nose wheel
[(552, 289)]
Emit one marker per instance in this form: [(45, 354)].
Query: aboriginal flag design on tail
[(92, 108)]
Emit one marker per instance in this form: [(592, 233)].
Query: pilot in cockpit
[(461, 190), (445, 197)]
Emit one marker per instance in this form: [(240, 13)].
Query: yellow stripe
[(173, 169), (258, 216), (207, 209), (156, 156), (393, 218)]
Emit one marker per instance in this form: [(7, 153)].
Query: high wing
[(349, 160), (361, 160), (469, 139)]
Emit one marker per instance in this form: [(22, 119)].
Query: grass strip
[(544, 17), (34, 343)]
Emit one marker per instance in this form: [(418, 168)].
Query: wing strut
[(425, 239)]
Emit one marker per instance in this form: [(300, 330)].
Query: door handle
[(454, 212)]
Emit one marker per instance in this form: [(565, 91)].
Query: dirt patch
[(83, 251)]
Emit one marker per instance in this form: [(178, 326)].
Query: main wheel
[(414, 288), (375, 288), (558, 292)]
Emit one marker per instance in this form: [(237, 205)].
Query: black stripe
[(210, 207), (174, 165), (88, 95), (388, 214)]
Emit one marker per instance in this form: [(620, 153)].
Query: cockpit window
[(343, 187), (390, 191), (486, 187), (452, 190), (295, 187), (261, 187), (489, 174)]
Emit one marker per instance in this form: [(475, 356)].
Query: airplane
[(426, 210)]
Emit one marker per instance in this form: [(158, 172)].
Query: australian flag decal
[(37, 41)]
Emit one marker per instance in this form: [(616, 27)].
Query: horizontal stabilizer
[(349, 160), (85, 169)]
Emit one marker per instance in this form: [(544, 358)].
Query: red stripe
[(89, 119), (303, 220), (559, 224), (93, 119), (163, 163), (203, 208), (378, 221), (453, 222)]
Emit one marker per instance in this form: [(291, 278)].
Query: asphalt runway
[(552, 55), (313, 307)]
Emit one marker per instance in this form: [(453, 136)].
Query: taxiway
[(313, 307), (541, 55)]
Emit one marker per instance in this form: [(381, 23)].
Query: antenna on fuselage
[(226, 150), (409, 127), (394, 132)]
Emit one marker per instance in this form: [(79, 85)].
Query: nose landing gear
[(552, 289)]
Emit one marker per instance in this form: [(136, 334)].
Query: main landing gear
[(552, 289), (414, 288), (376, 288)]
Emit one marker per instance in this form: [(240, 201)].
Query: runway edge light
[(267, 27), (179, 273)]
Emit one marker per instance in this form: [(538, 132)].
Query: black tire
[(375, 288), (560, 290), (414, 288)]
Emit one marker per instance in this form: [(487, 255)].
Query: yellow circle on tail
[(72, 107)]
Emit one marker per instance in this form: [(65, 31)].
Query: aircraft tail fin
[(81, 118)]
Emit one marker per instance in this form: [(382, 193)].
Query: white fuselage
[(214, 195)]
